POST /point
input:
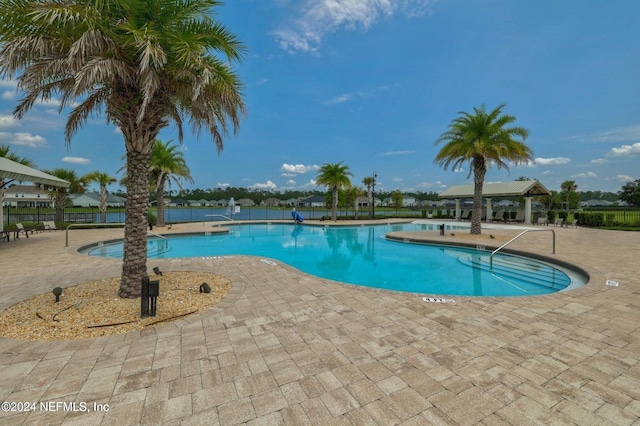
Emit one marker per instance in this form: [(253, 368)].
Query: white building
[(27, 196)]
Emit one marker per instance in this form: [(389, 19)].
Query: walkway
[(288, 348)]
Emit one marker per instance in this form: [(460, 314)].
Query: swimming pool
[(361, 256)]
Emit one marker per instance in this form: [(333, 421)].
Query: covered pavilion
[(15, 171), (522, 188)]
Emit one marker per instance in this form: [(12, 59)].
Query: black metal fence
[(627, 215)]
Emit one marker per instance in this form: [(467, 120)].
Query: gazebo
[(520, 188), (16, 171)]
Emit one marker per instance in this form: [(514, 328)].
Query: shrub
[(591, 219), (551, 216), (152, 218)]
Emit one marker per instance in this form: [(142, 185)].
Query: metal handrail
[(66, 237), (220, 215), (518, 236), (166, 240)]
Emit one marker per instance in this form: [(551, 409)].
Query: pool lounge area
[(289, 348)]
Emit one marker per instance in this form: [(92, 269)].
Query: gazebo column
[(458, 209), (489, 210), (527, 210)]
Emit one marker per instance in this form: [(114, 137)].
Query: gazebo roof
[(12, 170), (526, 188)]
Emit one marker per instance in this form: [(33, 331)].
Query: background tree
[(103, 179), (144, 64), (368, 183), (397, 199), (568, 189), (334, 176), (630, 193), (167, 164), (59, 195), (482, 139)]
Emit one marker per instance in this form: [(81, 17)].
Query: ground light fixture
[(57, 292), (205, 288), (156, 270)]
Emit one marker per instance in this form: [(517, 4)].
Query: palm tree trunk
[(479, 171), (160, 202), (103, 203), (134, 265), (334, 205), (59, 202)]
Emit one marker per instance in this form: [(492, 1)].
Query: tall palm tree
[(481, 139), (60, 195), (167, 164), (103, 179), (334, 176), (368, 182), (145, 63)]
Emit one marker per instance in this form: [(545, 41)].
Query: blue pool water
[(359, 255)]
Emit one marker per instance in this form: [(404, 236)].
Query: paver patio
[(288, 348)]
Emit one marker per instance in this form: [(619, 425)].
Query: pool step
[(518, 269)]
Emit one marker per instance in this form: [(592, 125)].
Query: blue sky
[(374, 83)]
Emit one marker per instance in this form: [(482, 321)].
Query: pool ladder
[(518, 236)]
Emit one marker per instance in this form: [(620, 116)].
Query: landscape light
[(57, 292)]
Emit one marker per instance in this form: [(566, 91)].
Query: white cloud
[(599, 161), (23, 139), (547, 172), (290, 183), (458, 170), (624, 178), (267, 185), (317, 18), (584, 175), (551, 161), (396, 179), (8, 84), (7, 121), (394, 153), (222, 185), (625, 150), (8, 95), (297, 169), (620, 134), (76, 160), (340, 99), (311, 184)]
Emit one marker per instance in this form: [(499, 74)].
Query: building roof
[(518, 188)]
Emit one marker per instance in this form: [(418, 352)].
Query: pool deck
[(288, 348)]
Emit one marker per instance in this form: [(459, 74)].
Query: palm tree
[(145, 64), (167, 164), (481, 139), (103, 179), (60, 195), (334, 176), (368, 182)]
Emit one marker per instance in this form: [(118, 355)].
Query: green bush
[(563, 215), (591, 219), (152, 218), (551, 216)]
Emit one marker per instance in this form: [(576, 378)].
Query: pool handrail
[(166, 240), (518, 236)]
